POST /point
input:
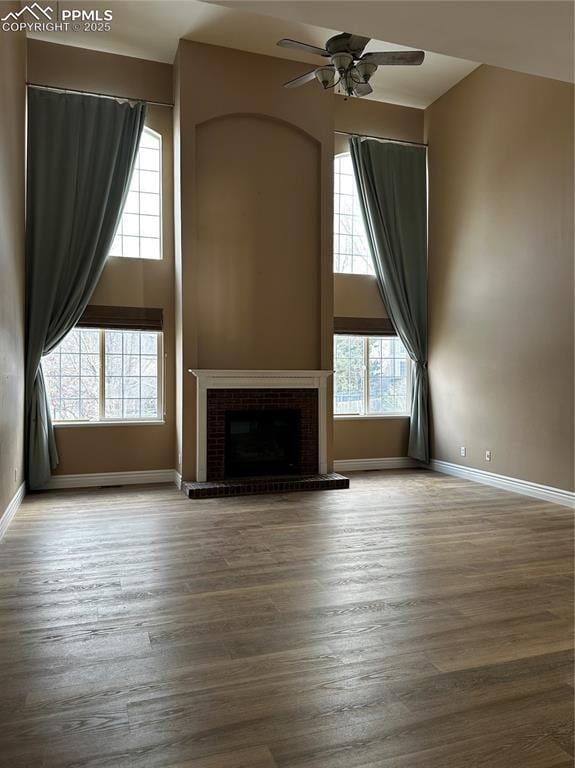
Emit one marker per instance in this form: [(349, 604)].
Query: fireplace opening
[(263, 442)]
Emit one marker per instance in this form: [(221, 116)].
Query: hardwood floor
[(414, 621)]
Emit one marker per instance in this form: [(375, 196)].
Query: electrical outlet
[(462, 451), (487, 455)]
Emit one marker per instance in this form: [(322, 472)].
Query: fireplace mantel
[(237, 379)]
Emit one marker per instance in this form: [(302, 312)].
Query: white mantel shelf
[(237, 379)]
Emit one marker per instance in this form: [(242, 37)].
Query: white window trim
[(102, 421), (161, 196), (369, 416), (362, 416), (110, 423)]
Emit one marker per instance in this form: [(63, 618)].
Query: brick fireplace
[(271, 424)]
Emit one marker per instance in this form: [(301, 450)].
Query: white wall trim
[(11, 509), (535, 490), (361, 465), (112, 478), (178, 479), (236, 379)]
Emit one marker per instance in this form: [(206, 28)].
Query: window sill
[(136, 258), (138, 423), (369, 416)]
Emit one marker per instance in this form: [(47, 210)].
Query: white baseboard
[(177, 479), (111, 478), (535, 490), (361, 465), (11, 509)]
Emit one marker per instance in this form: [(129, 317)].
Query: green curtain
[(81, 154), (392, 184)]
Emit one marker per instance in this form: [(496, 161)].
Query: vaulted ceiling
[(533, 37)]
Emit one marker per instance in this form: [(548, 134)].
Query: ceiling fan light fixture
[(325, 76), (341, 61), (365, 70)]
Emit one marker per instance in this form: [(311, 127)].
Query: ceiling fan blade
[(347, 42), (301, 80), (362, 89), (383, 58), (286, 42)]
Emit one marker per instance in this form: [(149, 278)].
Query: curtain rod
[(98, 95), (381, 138)]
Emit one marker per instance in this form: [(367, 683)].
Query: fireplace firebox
[(262, 442)]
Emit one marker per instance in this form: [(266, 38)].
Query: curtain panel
[(392, 186), (81, 154)]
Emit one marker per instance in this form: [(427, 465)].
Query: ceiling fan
[(349, 69)]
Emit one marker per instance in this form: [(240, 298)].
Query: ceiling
[(532, 36), (151, 30)]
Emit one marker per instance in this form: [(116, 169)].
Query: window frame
[(160, 137), (365, 395), (102, 421)]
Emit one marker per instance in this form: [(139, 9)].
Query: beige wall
[(258, 244), (124, 282), (358, 295), (255, 162), (65, 66), (376, 118), (501, 275), (370, 438), (12, 115)]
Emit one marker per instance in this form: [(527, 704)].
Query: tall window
[(350, 248), (139, 233), (105, 375), (372, 376)]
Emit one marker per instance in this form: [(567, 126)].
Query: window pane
[(150, 248), (150, 226), (388, 367), (71, 373), (113, 409), (150, 182), (139, 231), (132, 385), (349, 374), (131, 246), (350, 244)]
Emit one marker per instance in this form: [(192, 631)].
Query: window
[(105, 375), (139, 232), (350, 248), (372, 376)]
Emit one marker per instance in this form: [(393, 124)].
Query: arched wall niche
[(257, 250)]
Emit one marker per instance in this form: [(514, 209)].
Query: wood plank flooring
[(414, 621)]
